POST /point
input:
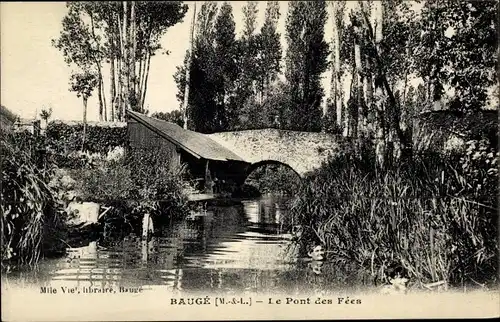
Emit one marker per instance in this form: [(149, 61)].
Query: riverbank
[(46, 202), (434, 216)]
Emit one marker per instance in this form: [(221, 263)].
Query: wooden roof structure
[(196, 144)]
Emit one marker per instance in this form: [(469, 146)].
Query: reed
[(429, 214), (33, 216)]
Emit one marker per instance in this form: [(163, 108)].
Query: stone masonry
[(302, 151)]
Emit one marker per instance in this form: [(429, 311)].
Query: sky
[(35, 76)]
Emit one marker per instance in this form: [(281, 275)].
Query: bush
[(141, 182), (433, 215), (33, 218), (274, 178), (63, 139)]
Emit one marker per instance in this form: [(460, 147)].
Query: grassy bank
[(435, 215)]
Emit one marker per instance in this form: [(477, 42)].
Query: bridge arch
[(259, 164)]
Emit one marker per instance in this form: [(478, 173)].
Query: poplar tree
[(306, 60)]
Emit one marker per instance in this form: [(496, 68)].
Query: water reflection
[(232, 249)]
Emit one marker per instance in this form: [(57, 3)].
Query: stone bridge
[(300, 151)]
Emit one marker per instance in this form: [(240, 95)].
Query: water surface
[(243, 247)]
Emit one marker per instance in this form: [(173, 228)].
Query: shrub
[(275, 178), (32, 213), (63, 139), (142, 181), (431, 214)]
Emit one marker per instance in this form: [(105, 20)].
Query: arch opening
[(271, 176)]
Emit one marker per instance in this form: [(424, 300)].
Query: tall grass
[(33, 216), (436, 215)]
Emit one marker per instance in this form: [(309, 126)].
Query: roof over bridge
[(197, 144)]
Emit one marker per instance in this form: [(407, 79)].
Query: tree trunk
[(146, 76), (119, 69), (138, 79), (119, 90), (333, 84), (368, 97), (379, 95), (112, 86), (97, 62), (188, 70), (347, 131), (125, 62), (133, 44), (99, 95), (105, 112), (84, 121), (359, 121), (337, 34)]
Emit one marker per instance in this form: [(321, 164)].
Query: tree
[(270, 49), (188, 69), (127, 34), (201, 110), (83, 84), (81, 45), (225, 68), (174, 117), (45, 114), (458, 47), (377, 48), (336, 99), (247, 54), (213, 71), (306, 60)]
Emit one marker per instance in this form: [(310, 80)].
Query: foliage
[(259, 61), (479, 166), (433, 130), (230, 78), (103, 182), (83, 84), (247, 61), (175, 117), (45, 114), (270, 113), (211, 106), (76, 41), (270, 47), (9, 115), (81, 48), (92, 33), (32, 213), (141, 182), (425, 215), (274, 178), (401, 36), (306, 60), (63, 140), (458, 47)]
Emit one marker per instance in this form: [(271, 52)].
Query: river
[(241, 247), (238, 251)]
